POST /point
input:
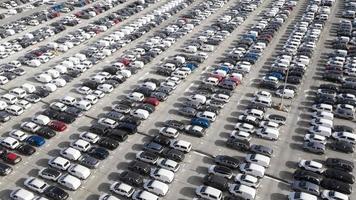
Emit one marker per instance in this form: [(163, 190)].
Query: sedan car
[(314, 147), (227, 161), (305, 186)]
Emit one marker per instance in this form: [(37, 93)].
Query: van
[(220, 72), (69, 182), (207, 192), (98, 79), (169, 66), (255, 112), (263, 101), (83, 105), (320, 130), (198, 98), (18, 92), (243, 191), (179, 59), (41, 119), (322, 122), (50, 87), (252, 169), (323, 115), (286, 93), (29, 88), (62, 48), (322, 107), (207, 115), (136, 96), (137, 64), (79, 171), (150, 85), (67, 64), (74, 60), (21, 194), (207, 48), (141, 114), (9, 98)]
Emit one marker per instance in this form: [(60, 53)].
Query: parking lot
[(196, 83)]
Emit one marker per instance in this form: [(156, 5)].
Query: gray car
[(89, 161), (314, 147), (306, 186), (187, 111)]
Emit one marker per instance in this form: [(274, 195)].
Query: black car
[(175, 124), (222, 171), (216, 181), (26, 149), (73, 111), (56, 193), (41, 92), (32, 98), (98, 153), (261, 149), (227, 161), (118, 135), (131, 120), (46, 132), (342, 146), (145, 106), (5, 169), (50, 174), (305, 175), (339, 175), (237, 144), (162, 140), (140, 167), (174, 154), (66, 118), (131, 178), (99, 129), (108, 143), (117, 116), (50, 113), (91, 84), (153, 147), (343, 128), (332, 184), (4, 116), (128, 127), (338, 163)]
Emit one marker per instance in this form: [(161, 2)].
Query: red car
[(11, 158), (219, 77), (57, 125), (152, 100)]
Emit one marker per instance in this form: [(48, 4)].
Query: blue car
[(225, 68), (200, 122), (35, 140), (191, 66), (277, 75)]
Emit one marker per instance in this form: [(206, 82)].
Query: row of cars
[(246, 183)]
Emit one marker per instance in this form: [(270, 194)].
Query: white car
[(156, 187), (333, 195), (106, 88), (168, 164), (36, 185), (241, 135), (248, 180), (122, 189), (311, 165), (81, 145), (108, 122), (181, 145), (269, 124), (107, 197), (144, 195), (301, 196), (69, 182), (98, 93), (140, 113), (258, 159), (84, 90), (24, 104), (59, 163), (18, 135), (58, 106), (70, 153), (207, 192), (10, 143), (21, 194), (245, 127), (315, 138), (221, 97), (345, 136), (252, 169), (89, 137), (263, 94), (169, 132)]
